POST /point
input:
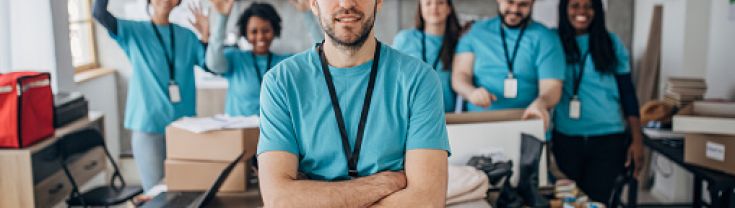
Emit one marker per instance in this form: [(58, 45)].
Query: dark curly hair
[(262, 10)]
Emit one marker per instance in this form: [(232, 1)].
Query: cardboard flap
[(483, 117)]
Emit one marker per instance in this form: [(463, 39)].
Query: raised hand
[(200, 21)]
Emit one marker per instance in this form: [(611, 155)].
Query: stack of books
[(682, 91)]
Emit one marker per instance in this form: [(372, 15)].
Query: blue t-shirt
[(148, 107), (297, 117), (409, 42), (541, 56), (601, 111), (243, 92)]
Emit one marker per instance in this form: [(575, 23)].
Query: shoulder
[(407, 33), (294, 65), (181, 30), (405, 66)]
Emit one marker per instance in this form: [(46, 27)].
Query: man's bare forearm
[(360, 192), (426, 172), (463, 84)]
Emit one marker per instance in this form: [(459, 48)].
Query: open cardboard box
[(475, 133), (710, 134), (220, 145), (706, 118)]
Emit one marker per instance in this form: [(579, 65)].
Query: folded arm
[(280, 186), (426, 174)]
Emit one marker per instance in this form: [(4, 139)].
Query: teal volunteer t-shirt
[(243, 92), (148, 107), (601, 111), (297, 116), (409, 42), (540, 56)]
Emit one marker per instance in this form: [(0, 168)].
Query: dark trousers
[(592, 162)]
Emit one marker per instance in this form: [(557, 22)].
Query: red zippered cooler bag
[(26, 109)]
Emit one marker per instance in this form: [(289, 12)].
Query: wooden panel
[(57, 187), (52, 190), (92, 163), (16, 181)]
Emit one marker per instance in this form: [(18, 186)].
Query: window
[(81, 35)]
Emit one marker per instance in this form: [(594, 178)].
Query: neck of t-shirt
[(346, 58), (435, 29)]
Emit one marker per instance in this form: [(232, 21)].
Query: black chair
[(78, 143)]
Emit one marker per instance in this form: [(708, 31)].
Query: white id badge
[(173, 93), (511, 88), (575, 109)]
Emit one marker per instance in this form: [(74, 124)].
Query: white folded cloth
[(466, 184)]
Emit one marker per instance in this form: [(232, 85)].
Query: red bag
[(26, 109)]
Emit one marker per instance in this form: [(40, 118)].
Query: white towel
[(466, 184)]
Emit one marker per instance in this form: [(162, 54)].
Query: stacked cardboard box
[(710, 134), (682, 91), (194, 160)]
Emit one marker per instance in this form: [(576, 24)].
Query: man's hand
[(537, 109), (481, 97), (222, 6), (200, 21)]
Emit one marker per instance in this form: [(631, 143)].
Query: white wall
[(4, 37), (721, 68), (696, 41), (39, 40)]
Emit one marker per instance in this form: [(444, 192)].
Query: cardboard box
[(472, 134), (711, 151), (220, 146), (706, 118), (199, 176)]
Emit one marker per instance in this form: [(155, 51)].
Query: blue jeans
[(149, 152)]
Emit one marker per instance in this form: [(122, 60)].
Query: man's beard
[(521, 23), (367, 26)]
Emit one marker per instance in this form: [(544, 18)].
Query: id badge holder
[(173, 92), (575, 108), (510, 87)]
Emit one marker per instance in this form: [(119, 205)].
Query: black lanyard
[(579, 73), (511, 59), (257, 69), (169, 59), (351, 156), (423, 51)]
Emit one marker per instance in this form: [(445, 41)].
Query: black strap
[(579, 73), (352, 156), (257, 69), (423, 51), (169, 59), (511, 59)]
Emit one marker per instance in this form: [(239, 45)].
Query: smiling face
[(348, 23), (580, 14), (260, 34), (515, 12), (435, 11)]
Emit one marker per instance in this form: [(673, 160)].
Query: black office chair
[(78, 143)]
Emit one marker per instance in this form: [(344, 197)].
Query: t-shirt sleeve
[(426, 125), (550, 60), (465, 43), (400, 42), (231, 53), (276, 126), (125, 29), (621, 53)]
